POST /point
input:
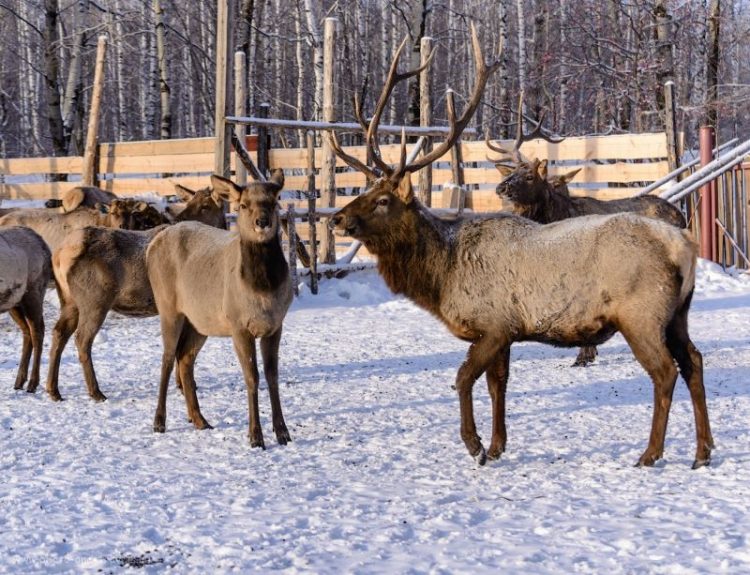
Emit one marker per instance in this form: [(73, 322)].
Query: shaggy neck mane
[(263, 264), (413, 256)]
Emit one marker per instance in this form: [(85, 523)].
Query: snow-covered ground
[(377, 479)]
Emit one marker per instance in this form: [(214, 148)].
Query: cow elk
[(25, 271), (209, 282), (101, 269), (498, 280)]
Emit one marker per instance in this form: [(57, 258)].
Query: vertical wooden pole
[(88, 175), (240, 79), (425, 119), (222, 130), (312, 217), (292, 232), (707, 213), (263, 166), (670, 125), (457, 165), (328, 169)]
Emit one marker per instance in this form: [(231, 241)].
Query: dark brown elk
[(101, 269), (25, 271), (209, 282), (498, 280), (53, 226)]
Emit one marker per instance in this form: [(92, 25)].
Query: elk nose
[(263, 222), (335, 221)]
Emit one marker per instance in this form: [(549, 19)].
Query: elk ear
[(140, 206), (277, 177), (542, 169), (404, 190), (72, 199), (185, 194), (565, 178), (504, 170), (226, 188)]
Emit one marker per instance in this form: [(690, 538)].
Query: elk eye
[(243, 206), (382, 202)]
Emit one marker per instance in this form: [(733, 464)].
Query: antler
[(457, 126)]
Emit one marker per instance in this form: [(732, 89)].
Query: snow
[(376, 479)]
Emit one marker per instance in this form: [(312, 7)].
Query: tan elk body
[(209, 282), (25, 271), (101, 269), (497, 280)]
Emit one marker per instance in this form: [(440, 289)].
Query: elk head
[(205, 205), (389, 197), (129, 214), (258, 218)]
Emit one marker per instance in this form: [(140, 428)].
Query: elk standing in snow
[(102, 269), (209, 282), (25, 271), (498, 280)]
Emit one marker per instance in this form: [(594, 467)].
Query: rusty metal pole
[(707, 193)]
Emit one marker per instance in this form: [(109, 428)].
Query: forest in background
[(591, 66)]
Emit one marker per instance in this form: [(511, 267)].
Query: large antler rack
[(537, 131), (456, 126)]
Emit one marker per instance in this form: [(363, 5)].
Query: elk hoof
[(54, 395), (98, 396), (647, 460), (698, 463), (18, 385), (160, 425), (481, 456), (283, 437), (31, 388), (202, 424), (256, 440), (494, 453)]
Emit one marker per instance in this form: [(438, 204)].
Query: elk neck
[(413, 259), (262, 264)]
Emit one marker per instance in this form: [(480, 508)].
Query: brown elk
[(543, 199), (53, 226), (101, 269), (208, 282), (498, 280), (25, 271)]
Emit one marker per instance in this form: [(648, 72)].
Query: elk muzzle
[(343, 225)]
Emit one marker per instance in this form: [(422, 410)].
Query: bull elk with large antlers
[(498, 280)]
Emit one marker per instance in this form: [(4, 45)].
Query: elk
[(53, 226), (101, 269), (86, 196), (545, 199), (209, 282), (25, 271), (498, 280)]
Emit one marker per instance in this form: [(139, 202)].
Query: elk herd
[(563, 270)]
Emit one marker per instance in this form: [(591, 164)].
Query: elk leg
[(269, 349), (35, 319), (188, 347), (244, 345), (18, 315), (497, 381), (171, 327), (690, 362), (89, 323), (652, 353), (61, 333), (480, 355), (586, 356)]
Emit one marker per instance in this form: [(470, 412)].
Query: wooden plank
[(40, 191), (159, 147), (25, 166), (189, 163)]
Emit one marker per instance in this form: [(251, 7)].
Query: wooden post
[(425, 119), (312, 218), (240, 172), (88, 175), (707, 205), (328, 169), (222, 130), (263, 166), (670, 125), (292, 233), (457, 166)]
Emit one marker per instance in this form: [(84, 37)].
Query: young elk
[(503, 279), (102, 269), (25, 271), (545, 199), (208, 282)]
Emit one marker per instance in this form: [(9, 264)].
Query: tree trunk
[(315, 41), (72, 111), (712, 64), (165, 124), (52, 72)]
